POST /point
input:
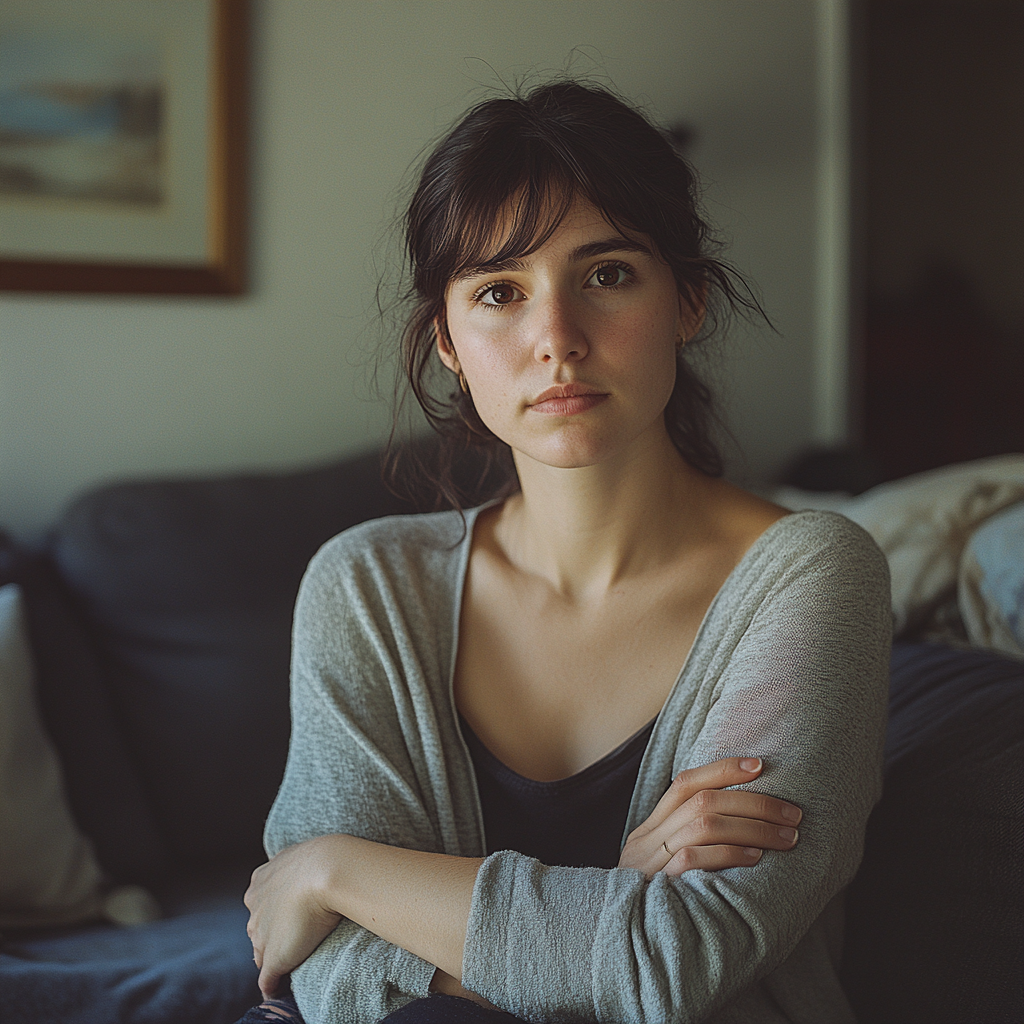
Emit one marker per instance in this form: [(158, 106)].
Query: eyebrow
[(587, 251), (607, 245)]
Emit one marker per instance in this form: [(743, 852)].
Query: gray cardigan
[(790, 664)]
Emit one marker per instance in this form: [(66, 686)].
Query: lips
[(567, 399)]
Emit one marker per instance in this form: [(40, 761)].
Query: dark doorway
[(942, 219)]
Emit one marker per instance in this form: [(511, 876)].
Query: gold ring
[(664, 846)]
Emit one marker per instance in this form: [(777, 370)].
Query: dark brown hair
[(530, 158)]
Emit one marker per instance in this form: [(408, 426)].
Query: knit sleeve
[(356, 766), (797, 675)]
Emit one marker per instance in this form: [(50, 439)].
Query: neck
[(587, 530)]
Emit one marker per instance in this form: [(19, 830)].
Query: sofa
[(155, 622)]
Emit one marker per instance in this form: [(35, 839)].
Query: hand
[(288, 912), (698, 823)]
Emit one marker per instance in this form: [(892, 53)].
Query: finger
[(724, 829), (711, 858), (729, 771), (737, 803)]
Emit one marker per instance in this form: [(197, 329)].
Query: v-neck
[(465, 550)]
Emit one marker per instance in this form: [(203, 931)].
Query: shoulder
[(823, 583), (811, 567), (821, 543), (772, 541), (395, 542), (398, 568)]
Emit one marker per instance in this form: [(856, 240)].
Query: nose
[(559, 334)]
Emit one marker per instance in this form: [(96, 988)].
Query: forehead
[(582, 217)]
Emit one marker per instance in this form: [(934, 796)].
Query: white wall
[(347, 93)]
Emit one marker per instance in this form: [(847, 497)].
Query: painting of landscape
[(82, 119)]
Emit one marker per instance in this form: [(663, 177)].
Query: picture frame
[(123, 146)]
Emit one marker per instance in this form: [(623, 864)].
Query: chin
[(566, 454)]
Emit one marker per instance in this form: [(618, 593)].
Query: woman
[(484, 705)]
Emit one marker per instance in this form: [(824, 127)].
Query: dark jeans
[(437, 1009), (274, 1011)]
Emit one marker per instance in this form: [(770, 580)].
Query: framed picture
[(122, 146)]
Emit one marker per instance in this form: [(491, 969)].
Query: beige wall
[(347, 93)]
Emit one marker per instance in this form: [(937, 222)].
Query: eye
[(500, 294), (609, 276)]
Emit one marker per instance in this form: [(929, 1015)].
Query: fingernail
[(791, 812), (789, 834), (752, 852), (750, 764)]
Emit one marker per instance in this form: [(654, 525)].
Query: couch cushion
[(101, 781), (189, 587), (935, 916), (195, 966)]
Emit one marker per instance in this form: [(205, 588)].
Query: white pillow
[(48, 873), (923, 523)]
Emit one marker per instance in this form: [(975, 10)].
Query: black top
[(573, 822)]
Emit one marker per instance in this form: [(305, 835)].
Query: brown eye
[(499, 295), (608, 277)]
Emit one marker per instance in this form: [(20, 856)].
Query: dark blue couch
[(159, 617)]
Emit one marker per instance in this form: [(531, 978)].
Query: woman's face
[(569, 353)]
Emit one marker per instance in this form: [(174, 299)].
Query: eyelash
[(492, 306), (615, 265), (609, 265)]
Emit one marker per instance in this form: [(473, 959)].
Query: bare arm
[(419, 901)]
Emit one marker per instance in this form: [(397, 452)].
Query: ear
[(445, 349), (691, 311)]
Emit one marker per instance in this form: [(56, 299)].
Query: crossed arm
[(421, 901), (790, 676)]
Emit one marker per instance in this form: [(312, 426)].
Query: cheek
[(492, 392), (492, 373), (644, 348), (646, 369)]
